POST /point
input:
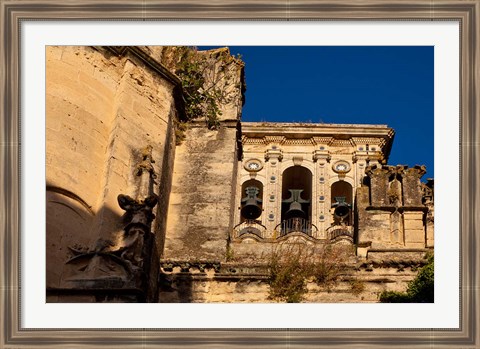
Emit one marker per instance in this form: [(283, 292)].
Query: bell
[(341, 211), (251, 208), (342, 208), (295, 209)]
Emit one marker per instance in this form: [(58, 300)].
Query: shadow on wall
[(175, 288), (69, 224)]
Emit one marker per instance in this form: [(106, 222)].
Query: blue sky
[(390, 85)]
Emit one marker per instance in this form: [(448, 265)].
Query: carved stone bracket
[(321, 155), (273, 154)]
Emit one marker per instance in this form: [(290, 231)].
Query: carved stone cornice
[(335, 142), (274, 140), (322, 140), (252, 141), (299, 141), (344, 136), (368, 140)]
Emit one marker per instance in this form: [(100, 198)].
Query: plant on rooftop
[(209, 81)]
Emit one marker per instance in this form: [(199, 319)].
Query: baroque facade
[(141, 208)]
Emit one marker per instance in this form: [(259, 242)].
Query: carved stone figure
[(138, 218), (137, 211), (117, 260)]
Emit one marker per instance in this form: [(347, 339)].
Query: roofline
[(306, 130), (309, 130)]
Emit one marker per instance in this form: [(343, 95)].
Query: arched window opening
[(296, 201), (251, 201), (341, 194)]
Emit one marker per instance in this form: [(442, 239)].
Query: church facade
[(147, 205)]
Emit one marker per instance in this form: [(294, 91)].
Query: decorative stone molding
[(341, 143), (341, 167), (274, 139), (190, 266), (322, 140), (297, 160), (253, 165), (321, 154), (253, 141), (273, 154), (368, 156), (304, 142), (367, 140)]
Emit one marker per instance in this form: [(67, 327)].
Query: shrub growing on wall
[(208, 80), (292, 266), (420, 289)]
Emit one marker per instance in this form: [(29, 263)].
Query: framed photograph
[(44, 44)]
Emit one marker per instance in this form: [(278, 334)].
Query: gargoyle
[(137, 212)]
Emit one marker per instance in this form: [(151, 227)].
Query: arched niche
[(341, 196), (297, 180), (250, 198), (68, 222)]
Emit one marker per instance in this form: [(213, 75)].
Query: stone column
[(412, 187), (320, 197), (273, 158), (378, 185)]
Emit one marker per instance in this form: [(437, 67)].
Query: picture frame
[(12, 335)]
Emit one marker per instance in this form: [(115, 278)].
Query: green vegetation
[(420, 290), (208, 81)]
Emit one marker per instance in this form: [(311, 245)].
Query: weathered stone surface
[(379, 185), (199, 219), (102, 109), (412, 189), (364, 285), (105, 106)]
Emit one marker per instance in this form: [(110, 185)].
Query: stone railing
[(337, 232), (296, 225), (249, 227)]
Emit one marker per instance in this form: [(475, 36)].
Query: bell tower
[(299, 181)]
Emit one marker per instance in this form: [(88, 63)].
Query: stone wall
[(113, 116), (204, 179), (104, 107), (240, 283), (392, 208), (199, 216)]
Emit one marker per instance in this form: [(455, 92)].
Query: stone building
[(147, 205)]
